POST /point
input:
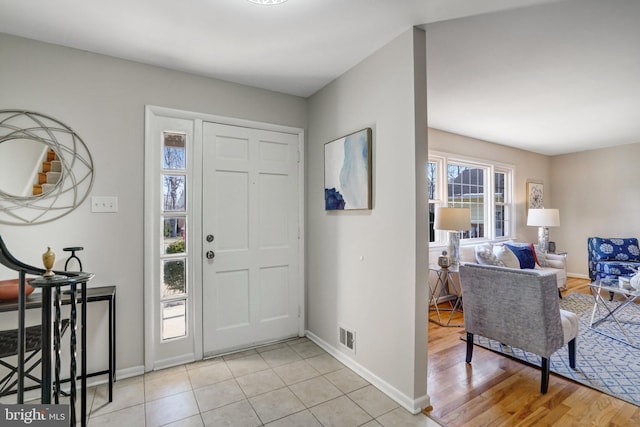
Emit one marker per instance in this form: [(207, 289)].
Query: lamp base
[(543, 239), (454, 247)]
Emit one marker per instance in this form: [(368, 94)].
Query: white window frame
[(442, 160), (161, 353)]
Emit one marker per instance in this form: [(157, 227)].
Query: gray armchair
[(519, 308)]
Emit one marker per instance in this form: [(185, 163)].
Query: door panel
[(232, 308), (250, 204), (231, 212), (274, 296), (273, 215)]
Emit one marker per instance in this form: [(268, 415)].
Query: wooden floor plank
[(494, 390)]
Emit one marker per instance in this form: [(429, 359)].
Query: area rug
[(602, 363)]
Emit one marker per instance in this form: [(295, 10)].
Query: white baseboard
[(134, 371), (183, 359), (578, 276), (414, 406)]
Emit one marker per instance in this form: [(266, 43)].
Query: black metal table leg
[(111, 348), (57, 332), (45, 386), (83, 381), (73, 363), (21, 339)]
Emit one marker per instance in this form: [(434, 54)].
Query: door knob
[(210, 254), (209, 238)]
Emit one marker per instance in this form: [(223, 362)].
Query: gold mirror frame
[(75, 182)]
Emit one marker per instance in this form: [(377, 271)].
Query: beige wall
[(366, 270), (598, 194)]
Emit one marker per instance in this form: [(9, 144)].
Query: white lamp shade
[(543, 217), (452, 219)]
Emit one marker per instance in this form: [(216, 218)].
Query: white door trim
[(196, 256)]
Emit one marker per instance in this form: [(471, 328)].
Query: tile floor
[(294, 383)]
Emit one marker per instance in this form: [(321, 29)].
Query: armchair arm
[(557, 260)]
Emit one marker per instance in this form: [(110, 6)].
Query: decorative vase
[(444, 261), (48, 258)]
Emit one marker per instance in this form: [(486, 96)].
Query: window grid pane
[(432, 180), (174, 235), (174, 151), (432, 184), (432, 216), (466, 190), (174, 319), (501, 213), (174, 193), (173, 277)]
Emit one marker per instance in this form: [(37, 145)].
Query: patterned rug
[(602, 363)]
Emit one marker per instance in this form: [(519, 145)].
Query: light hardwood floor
[(496, 391)]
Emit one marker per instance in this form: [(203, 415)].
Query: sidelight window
[(173, 287)]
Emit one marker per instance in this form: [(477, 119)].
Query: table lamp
[(543, 219), (453, 220)]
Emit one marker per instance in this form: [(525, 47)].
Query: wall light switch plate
[(104, 204)]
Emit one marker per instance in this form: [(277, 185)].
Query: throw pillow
[(485, 256), (535, 255), (541, 256), (516, 243), (524, 255), (504, 254)]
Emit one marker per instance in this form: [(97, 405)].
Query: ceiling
[(552, 76), (553, 79)]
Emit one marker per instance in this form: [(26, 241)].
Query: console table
[(51, 285), (96, 294)]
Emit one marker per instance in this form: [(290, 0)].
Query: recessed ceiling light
[(267, 1)]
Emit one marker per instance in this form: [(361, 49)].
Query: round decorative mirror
[(46, 170)]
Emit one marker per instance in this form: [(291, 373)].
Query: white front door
[(250, 237)]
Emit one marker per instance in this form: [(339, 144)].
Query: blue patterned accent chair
[(613, 257)]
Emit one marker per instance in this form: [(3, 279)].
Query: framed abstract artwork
[(347, 172), (535, 191)]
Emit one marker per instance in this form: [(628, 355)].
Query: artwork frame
[(348, 172), (535, 195)]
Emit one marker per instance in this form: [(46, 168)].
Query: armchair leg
[(544, 386), (572, 353), (469, 347)]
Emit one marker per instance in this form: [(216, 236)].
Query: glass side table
[(445, 290), (609, 310)]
